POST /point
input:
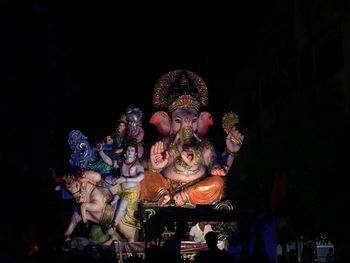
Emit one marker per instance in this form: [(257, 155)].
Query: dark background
[(282, 66)]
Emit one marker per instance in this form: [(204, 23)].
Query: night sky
[(79, 66)]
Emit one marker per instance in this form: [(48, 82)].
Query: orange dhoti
[(203, 191)]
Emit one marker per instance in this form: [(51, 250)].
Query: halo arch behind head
[(180, 88)]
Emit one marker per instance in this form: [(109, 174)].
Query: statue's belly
[(184, 175)]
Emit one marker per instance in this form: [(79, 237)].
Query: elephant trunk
[(187, 135)]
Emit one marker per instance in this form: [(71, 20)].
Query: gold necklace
[(197, 154)]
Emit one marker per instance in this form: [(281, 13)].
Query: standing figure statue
[(183, 166), (125, 188)]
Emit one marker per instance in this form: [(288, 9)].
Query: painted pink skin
[(162, 121), (164, 125), (205, 120), (231, 144)]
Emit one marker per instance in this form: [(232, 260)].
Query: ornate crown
[(184, 101), (180, 89)]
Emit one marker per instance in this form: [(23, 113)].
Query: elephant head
[(184, 95), (185, 123)]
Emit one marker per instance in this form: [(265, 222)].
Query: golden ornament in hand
[(229, 120)]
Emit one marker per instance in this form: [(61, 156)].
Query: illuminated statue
[(125, 188), (183, 166), (94, 205)]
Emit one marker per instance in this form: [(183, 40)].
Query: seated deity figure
[(125, 188), (183, 166)]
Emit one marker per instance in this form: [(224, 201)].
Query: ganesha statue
[(183, 166)]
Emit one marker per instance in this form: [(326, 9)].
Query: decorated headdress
[(75, 137), (180, 89), (123, 119), (133, 115)]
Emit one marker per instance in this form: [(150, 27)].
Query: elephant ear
[(162, 121), (204, 121)]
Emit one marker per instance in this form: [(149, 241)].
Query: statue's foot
[(180, 198), (163, 200)]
